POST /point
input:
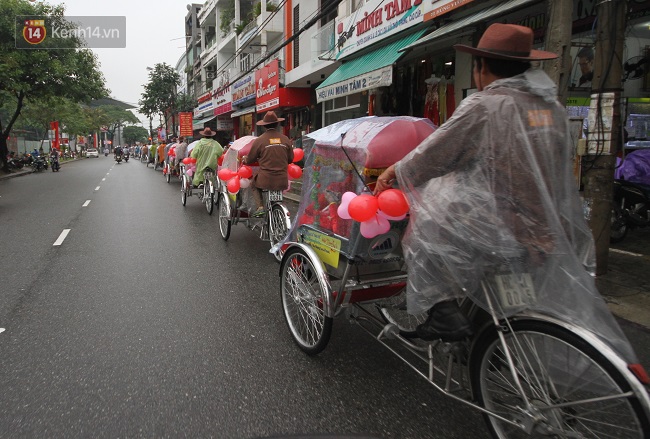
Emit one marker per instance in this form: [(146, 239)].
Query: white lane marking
[(86, 203), (2, 329), (623, 252), (103, 179), (61, 237), (97, 188)]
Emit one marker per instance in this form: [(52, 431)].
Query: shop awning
[(461, 24), (197, 124), (365, 72), (243, 111)]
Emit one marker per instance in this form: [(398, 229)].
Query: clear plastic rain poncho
[(231, 157), (495, 184)]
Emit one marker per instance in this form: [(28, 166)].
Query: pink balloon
[(244, 183), (345, 202), (189, 172), (374, 227), (382, 214)]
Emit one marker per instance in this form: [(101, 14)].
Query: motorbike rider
[(54, 157), (273, 151), (117, 152), (492, 182)]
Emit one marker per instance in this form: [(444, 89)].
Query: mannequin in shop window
[(431, 100)]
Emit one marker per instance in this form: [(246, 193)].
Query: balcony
[(323, 43), (273, 25), (206, 10)]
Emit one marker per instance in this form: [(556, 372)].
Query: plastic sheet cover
[(341, 157), (493, 187), (238, 149), (635, 168)]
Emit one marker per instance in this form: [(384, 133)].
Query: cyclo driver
[(273, 151)]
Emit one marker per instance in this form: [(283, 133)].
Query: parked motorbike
[(39, 164), (629, 208), (14, 163), (28, 160)]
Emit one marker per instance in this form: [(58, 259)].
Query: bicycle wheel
[(393, 310), (184, 184), (565, 379), (208, 197), (278, 227), (168, 174), (302, 291), (224, 218)]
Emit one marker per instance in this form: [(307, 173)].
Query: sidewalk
[(625, 286)]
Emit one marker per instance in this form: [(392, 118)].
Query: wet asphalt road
[(145, 323)]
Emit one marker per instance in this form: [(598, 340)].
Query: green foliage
[(184, 102), (227, 17), (134, 134), (41, 74)]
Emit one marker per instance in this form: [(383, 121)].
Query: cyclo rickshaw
[(529, 369), (236, 202), (207, 192)]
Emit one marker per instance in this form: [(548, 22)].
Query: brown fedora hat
[(207, 132), (270, 118), (507, 41)]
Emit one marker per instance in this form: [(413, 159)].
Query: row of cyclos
[(227, 185), (546, 358)]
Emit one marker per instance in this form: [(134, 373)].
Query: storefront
[(288, 102), (243, 102)]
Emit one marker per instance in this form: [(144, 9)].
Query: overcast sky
[(154, 34)]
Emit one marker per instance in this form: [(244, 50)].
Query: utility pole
[(604, 124), (558, 40)]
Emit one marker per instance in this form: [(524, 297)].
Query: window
[(296, 42)]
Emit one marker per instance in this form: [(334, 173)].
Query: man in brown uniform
[(273, 151)]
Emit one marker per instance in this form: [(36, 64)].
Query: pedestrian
[(206, 153), (273, 151), (493, 183)]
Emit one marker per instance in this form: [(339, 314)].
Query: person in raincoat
[(206, 153), (494, 183)]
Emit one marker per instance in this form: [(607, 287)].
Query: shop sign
[(205, 97), (224, 124), (206, 106), (377, 78), (442, 7), (267, 94), (185, 120), (222, 100), (376, 20), (244, 89)]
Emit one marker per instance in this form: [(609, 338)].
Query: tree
[(134, 134), (184, 103), (36, 74), (117, 118), (160, 92), (148, 108)]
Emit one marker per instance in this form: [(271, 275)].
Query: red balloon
[(220, 160), (187, 160), (225, 174), (245, 171), (393, 202), (233, 185), (298, 154), (192, 160), (294, 171), (363, 207)]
